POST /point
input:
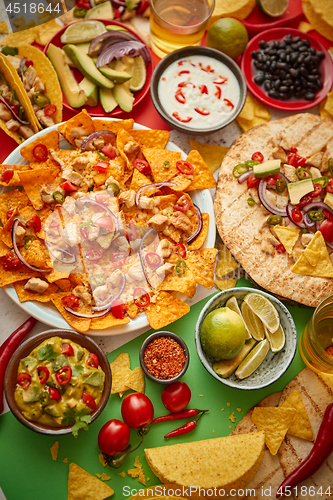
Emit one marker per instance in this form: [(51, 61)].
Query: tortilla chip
[(142, 477), (102, 460), (275, 422), (305, 27), (165, 310), (316, 20), (253, 113), (37, 255), (25, 295), (3, 28), (182, 182), (80, 324), (157, 158), (107, 321), (11, 200), (301, 425), (120, 367), (32, 180), (15, 39), (135, 380), (114, 126), (133, 472), (3, 249), (326, 107), (315, 259), (46, 31), (287, 236), (199, 241), (64, 284), (132, 310), (182, 284), (202, 176), (201, 263), (81, 485), (15, 180), (6, 230), (82, 119), (232, 8), (104, 476), (54, 450), (211, 154), (225, 284), (151, 138), (17, 273), (138, 180), (225, 262)]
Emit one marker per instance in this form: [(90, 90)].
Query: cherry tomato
[(114, 437), (7, 174), (252, 181), (92, 360), (296, 161), (54, 393), (326, 229), (142, 165), (24, 380), (69, 186), (109, 151), (43, 374), (137, 410), (67, 349), (89, 401), (70, 301), (36, 223), (11, 260), (118, 309), (327, 214), (272, 179), (63, 375), (280, 248), (176, 396)]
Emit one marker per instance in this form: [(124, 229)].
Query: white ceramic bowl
[(274, 364)]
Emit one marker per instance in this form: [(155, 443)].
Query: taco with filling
[(40, 82), (17, 118)]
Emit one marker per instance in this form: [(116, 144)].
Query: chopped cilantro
[(77, 370), (46, 353), (80, 419)]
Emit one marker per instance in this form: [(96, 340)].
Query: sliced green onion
[(166, 164), (251, 163), (303, 173), (180, 267), (112, 189), (250, 201), (239, 170), (102, 155), (315, 215), (273, 220), (58, 197), (281, 185), (28, 241), (97, 279), (323, 181)]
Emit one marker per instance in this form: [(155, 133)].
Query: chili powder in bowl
[(164, 357)]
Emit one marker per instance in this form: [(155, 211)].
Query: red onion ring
[(244, 176), (48, 246), (317, 204), (89, 200), (117, 36), (264, 201), (300, 224), (109, 304), (199, 227), (156, 185), (88, 316), (118, 3), (93, 136), (18, 254), (307, 221), (141, 256), (22, 64), (17, 118), (131, 48)]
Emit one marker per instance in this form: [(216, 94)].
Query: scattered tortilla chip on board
[(165, 310), (275, 423), (326, 107), (225, 284), (225, 262), (253, 113), (305, 27), (54, 450), (317, 20), (82, 485), (15, 39), (123, 378), (232, 8), (315, 259), (211, 153), (301, 425), (3, 28), (287, 236)]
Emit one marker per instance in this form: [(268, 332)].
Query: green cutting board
[(27, 471)]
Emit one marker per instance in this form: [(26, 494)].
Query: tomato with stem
[(137, 410), (114, 437)]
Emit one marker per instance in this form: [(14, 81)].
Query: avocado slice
[(29, 363), (95, 379), (115, 76), (91, 91), (107, 100), (87, 67), (31, 394), (75, 96), (226, 367), (328, 199), (79, 354), (269, 167), (299, 189), (123, 96), (101, 11), (52, 410)]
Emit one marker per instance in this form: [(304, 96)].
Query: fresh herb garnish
[(46, 353), (78, 418)]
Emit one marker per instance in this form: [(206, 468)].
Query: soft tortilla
[(239, 224)]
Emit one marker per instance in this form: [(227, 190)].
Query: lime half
[(263, 308), (253, 323), (253, 360), (83, 31), (139, 74), (273, 8), (276, 339), (233, 305)]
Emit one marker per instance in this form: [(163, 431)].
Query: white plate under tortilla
[(46, 312)]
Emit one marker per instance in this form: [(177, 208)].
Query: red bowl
[(98, 110), (326, 69)]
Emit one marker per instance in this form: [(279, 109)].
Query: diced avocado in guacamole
[(67, 378)]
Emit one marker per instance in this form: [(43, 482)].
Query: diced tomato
[(296, 215), (24, 380), (109, 151), (101, 166), (92, 360), (118, 309), (305, 200), (272, 179), (67, 349), (83, 4), (142, 165), (257, 156), (70, 301), (15, 109), (89, 401), (143, 5), (11, 260), (293, 150), (116, 13), (252, 181), (295, 160), (43, 374), (280, 248), (326, 229), (318, 189), (36, 223), (54, 393), (105, 222), (7, 174), (69, 186), (329, 187)]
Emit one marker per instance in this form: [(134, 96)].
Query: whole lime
[(228, 36), (222, 334)]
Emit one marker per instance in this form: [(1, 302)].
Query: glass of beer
[(175, 24), (316, 342)]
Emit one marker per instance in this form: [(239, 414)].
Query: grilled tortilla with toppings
[(16, 114), (299, 267), (40, 82)]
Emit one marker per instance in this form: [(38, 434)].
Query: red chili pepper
[(9, 214), (143, 5), (202, 111), (7, 174), (328, 216), (70, 301), (69, 186), (257, 156), (185, 84), (153, 259), (229, 103), (50, 109), (142, 165), (320, 451), (203, 89), (67, 349), (318, 189), (184, 167), (36, 223), (184, 429), (175, 114), (118, 258), (280, 248), (63, 375), (218, 92), (43, 374), (141, 298), (101, 166), (130, 231), (305, 200), (295, 160), (192, 412), (220, 80), (183, 204), (7, 350), (208, 68), (296, 215), (11, 261), (94, 254), (15, 109), (40, 152), (181, 250), (180, 96), (183, 72), (293, 150), (24, 380), (329, 187)]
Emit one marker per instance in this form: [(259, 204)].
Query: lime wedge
[(139, 74), (253, 360), (83, 31), (233, 305), (253, 323), (273, 8), (276, 339), (263, 308)]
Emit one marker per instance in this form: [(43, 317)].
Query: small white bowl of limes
[(245, 338)]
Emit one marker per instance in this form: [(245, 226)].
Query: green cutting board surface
[(27, 471)]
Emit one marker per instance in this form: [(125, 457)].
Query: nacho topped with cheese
[(105, 230)]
